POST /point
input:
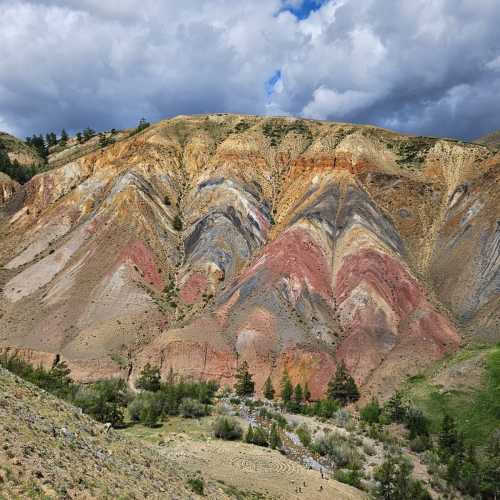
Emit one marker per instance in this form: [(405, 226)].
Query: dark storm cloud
[(426, 66)]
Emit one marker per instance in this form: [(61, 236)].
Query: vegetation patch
[(276, 130)]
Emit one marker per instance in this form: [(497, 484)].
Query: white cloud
[(74, 63)]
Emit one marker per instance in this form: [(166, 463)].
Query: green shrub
[(304, 434), (338, 449), (192, 408), (145, 408), (349, 476), (371, 412), (149, 379), (420, 443), (395, 482), (104, 400), (260, 436), (227, 428), (197, 485), (325, 408)]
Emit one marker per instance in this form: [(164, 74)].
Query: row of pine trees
[(341, 388)]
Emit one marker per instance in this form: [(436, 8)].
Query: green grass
[(477, 412), (197, 429)]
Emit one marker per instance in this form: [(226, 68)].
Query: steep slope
[(491, 140), (51, 450), (8, 188), (289, 243), (19, 151)]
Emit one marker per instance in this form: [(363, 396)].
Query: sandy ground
[(257, 470)]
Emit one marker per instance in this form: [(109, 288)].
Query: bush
[(104, 401), (395, 482), (343, 417), (197, 485), (338, 449), (420, 444), (191, 408), (325, 408), (371, 412), (349, 476), (149, 379), (145, 408), (304, 435), (416, 422), (227, 428), (258, 437)]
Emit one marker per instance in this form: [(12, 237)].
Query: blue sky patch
[(270, 84), (305, 8)]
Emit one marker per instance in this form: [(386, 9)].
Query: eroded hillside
[(292, 244)]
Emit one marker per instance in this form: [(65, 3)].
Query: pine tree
[(268, 389), (286, 387), (88, 133), (298, 394), (64, 137), (244, 386), (395, 408), (79, 137), (149, 379), (342, 387), (448, 437), (274, 437), (307, 392)]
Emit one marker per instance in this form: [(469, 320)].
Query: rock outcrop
[(292, 244)]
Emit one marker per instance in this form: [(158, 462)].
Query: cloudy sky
[(421, 66)]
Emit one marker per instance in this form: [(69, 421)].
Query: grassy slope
[(50, 450), (477, 410)]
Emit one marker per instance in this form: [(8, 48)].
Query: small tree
[(286, 387), (268, 389), (417, 423), (79, 137), (395, 482), (64, 138), (448, 437), (244, 386), (298, 394), (342, 387), (88, 133), (143, 124), (307, 392), (395, 408), (274, 437), (149, 379)]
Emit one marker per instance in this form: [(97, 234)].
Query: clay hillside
[(491, 140), (206, 240)]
